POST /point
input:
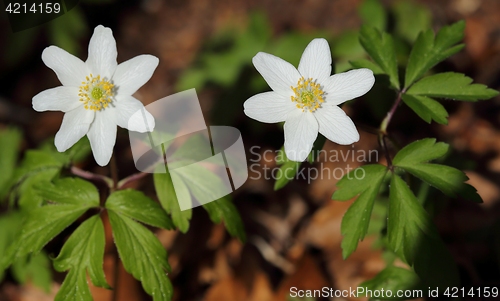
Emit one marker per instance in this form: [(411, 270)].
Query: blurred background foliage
[(209, 45), (225, 59)]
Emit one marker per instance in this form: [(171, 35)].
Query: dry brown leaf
[(261, 288), (488, 190), (29, 292), (323, 230), (307, 276), (216, 237), (128, 288), (228, 289), (337, 160), (361, 265)]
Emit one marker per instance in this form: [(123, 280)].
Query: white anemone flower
[(96, 95), (307, 99)]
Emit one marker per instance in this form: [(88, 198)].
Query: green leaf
[(378, 219), (10, 140), (420, 151), (79, 151), (315, 151), (435, 265), (414, 157), (10, 228), (407, 221), (70, 191), (230, 52), (29, 198), (72, 196), (413, 236), (199, 181), (191, 78), (83, 251), (289, 168), (289, 46), (427, 108), (364, 181), (168, 199), (429, 51), (286, 173), (224, 210), (345, 46), (37, 167), (75, 286), (67, 30), (134, 204), (40, 227), (411, 19), (363, 63), (142, 255), (48, 147), (451, 85), (223, 69), (281, 156), (380, 47), (35, 269), (373, 13), (393, 279)]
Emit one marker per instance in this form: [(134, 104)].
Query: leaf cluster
[(409, 232), (50, 203), (417, 90)]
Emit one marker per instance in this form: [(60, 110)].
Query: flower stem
[(116, 276), (388, 117), (116, 269), (114, 173), (382, 135), (141, 174), (91, 176), (383, 143), (131, 178)]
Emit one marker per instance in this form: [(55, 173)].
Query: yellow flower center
[(308, 95), (96, 93)]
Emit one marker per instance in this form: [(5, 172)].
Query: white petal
[(70, 70), (269, 107), (336, 126), (134, 73), (348, 85), (301, 130), (102, 136), (126, 106), (102, 53), (57, 99), (280, 75), (316, 61), (74, 126)]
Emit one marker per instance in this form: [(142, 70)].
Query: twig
[(114, 173), (272, 256)]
